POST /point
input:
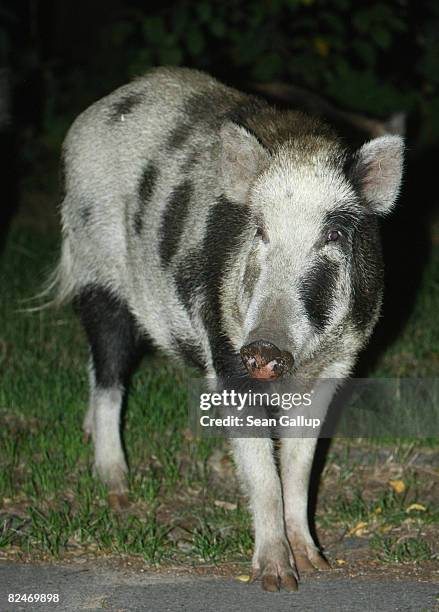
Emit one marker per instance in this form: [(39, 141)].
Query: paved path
[(82, 588)]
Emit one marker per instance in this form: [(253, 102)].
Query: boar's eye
[(333, 236)]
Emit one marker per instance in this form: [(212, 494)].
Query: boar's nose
[(265, 361)]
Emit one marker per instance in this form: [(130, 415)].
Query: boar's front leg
[(296, 458), (272, 559)]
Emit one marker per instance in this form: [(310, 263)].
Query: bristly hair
[(59, 288)]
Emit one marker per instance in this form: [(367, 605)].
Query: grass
[(396, 550), (185, 504), (385, 510)]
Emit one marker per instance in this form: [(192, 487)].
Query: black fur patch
[(246, 109), (204, 270), (317, 291), (179, 136), (125, 106), (189, 277), (85, 214), (115, 341), (245, 112), (145, 190), (190, 162), (198, 109), (191, 354), (366, 272), (173, 221)]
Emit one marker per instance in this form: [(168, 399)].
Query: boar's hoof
[(273, 579), (276, 574), (310, 561), (307, 556), (113, 475), (118, 501)]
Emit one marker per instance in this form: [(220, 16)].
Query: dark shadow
[(8, 160), (407, 249), (320, 457), (9, 197)]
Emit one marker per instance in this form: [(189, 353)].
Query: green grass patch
[(402, 550), (388, 508)]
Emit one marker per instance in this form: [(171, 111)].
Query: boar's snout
[(264, 360)]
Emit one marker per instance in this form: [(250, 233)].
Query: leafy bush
[(370, 57), (375, 58)]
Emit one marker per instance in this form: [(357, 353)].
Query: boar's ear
[(377, 171), (242, 158)]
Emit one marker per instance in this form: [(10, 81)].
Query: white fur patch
[(109, 457)]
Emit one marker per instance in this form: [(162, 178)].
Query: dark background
[(372, 58), (375, 58)]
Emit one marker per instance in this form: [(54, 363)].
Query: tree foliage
[(374, 58)]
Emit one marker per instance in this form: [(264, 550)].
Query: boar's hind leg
[(115, 345), (296, 457), (272, 559)]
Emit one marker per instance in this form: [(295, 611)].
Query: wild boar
[(238, 238)]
